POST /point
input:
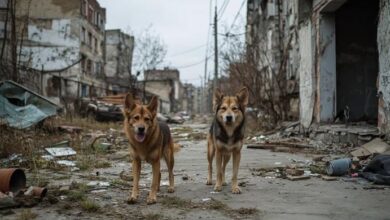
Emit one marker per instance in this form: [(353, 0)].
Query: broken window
[(96, 45), (84, 90), (53, 85), (89, 67), (83, 65), (82, 34), (89, 39)]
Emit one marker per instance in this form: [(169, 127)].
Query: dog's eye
[(136, 118), (147, 119), (224, 108), (234, 108)]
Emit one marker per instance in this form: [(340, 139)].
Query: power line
[(238, 13), (188, 51), (223, 8), (196, 63)]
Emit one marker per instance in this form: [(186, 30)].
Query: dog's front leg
[(218, 160), (136, 166), (236, 165), (153, 191)]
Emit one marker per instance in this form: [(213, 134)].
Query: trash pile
[(13, 190), (370, 161)]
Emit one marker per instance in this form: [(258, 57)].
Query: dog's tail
[(176, 147)]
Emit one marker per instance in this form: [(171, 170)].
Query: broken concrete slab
[(60, 151), (295, 178), (376, 146)]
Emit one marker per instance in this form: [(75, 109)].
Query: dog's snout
[(141, 129), (229, 118)]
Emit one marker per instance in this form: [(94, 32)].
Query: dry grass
[(89, 205), (213, 204), (27, 214)]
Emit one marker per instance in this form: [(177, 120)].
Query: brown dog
[(226, 136), (150, 140)]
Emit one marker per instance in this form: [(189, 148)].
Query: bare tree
[(150, 50), (267, 84)]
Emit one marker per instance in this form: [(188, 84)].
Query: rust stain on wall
[(67, 5)]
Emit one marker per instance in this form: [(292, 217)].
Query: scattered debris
[(61, 149), (376, 146), (23, 108), (12, 180), (70, 129), (67, 163), (98, 184), (338, 167), (295, 172), (328, 178), (378, 170), (295, 178)]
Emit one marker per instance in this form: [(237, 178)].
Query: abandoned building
[(119, 56), (191, 100), (166, 84), (335, 50)]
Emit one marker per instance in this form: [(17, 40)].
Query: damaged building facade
[(63, 41), (166, 84), (119, 57), (338, 53), (59, 49)]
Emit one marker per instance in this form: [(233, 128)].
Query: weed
[(89, 205), (76, 195)]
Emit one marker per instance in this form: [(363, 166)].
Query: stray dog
[(150, 140), (226, 136)]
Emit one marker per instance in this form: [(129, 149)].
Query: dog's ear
[(243, 96), (129, 102), (217, 99), (153, 105)]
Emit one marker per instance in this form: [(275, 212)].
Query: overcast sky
[(182, 24)]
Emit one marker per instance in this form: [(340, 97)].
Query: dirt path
[(261, 198)]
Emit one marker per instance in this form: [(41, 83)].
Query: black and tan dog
[(150, 141), (226, 136)]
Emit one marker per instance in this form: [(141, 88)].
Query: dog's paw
[(131, 200), (171, 189), (151, 200), (218, 188), (236, 190), (209, 182)]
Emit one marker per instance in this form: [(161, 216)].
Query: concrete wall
[(384, 66), (119, 54), (306, 74), (53, 48)]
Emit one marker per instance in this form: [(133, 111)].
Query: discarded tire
[(12, 179)]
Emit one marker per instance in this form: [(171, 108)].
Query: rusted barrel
[(12, 179)]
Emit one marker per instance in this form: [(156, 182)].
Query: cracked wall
[(383, 39)]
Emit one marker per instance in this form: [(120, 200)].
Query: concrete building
[(191, 98), (63, 43), (119, 58), (164, 83), (339, 53)]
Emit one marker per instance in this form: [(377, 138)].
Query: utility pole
[(215, 49)]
